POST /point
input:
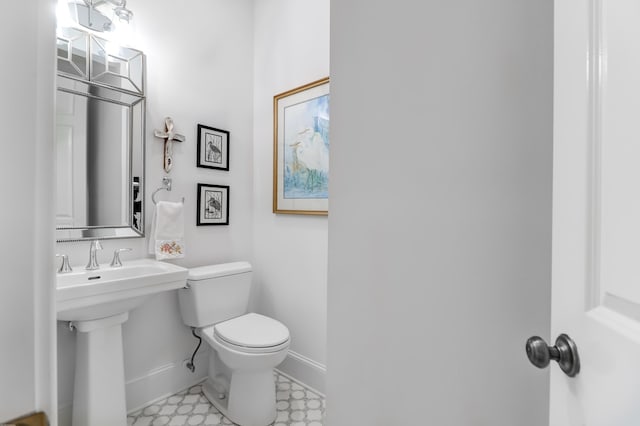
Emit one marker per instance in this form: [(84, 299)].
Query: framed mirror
[(100, 132)]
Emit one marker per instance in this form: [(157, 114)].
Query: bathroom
[(411, 303), (200, 71)]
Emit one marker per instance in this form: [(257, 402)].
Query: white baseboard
[(155, 385), (304, 370), (164, 381)]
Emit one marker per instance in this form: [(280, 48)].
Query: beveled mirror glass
[(99, 139)]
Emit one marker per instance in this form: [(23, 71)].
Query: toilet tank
[(215, 293)]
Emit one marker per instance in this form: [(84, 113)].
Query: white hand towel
[(166, 239)]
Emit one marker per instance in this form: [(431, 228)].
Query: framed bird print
[(213, 148), (213, 204), (301, 150)]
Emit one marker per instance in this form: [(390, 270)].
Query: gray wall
[(440, 223), (27, 339)]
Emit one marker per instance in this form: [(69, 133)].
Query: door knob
[(565, 352)]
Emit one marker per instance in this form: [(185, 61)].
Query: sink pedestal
[(99, 392)]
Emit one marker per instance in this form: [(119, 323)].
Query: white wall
[(199, 69), (440, 226), (26, 222), (291, 44)]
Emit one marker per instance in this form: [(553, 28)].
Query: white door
[(71, 160), (596, 213)]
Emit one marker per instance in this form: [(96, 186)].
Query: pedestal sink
[(98, 303)]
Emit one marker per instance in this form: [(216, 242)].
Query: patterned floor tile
[(295, 404)]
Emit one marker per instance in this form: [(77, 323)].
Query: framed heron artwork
[(301, 150), (213, 204), (213, 148)]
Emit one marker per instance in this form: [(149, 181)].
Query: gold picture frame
[(301, 150)]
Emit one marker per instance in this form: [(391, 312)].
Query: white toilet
[(246, 346)]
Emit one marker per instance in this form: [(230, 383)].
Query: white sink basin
[(88, 295)]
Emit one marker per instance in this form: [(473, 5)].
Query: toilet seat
[(252, 333)]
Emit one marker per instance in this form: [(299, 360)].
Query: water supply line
[(191, 365)]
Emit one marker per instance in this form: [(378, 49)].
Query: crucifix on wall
[(169, 137)]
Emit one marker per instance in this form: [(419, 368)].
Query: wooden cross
[(169, 137)]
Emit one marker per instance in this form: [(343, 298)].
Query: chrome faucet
[(93, 261), (64, 266), (116, 262)]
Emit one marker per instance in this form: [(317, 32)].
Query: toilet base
[(250, 401)]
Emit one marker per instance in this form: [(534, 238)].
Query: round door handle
[(565, 352)]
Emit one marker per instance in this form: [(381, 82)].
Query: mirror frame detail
[(100, 79)]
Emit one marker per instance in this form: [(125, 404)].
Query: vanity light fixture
[(98, 15)]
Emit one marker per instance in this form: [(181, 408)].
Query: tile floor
[(296, 405)]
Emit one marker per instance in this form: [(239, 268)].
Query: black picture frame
[(213, 148), (213, 205)]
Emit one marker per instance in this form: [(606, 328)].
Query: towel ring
[(166, 185)]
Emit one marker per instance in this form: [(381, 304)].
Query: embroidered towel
[(166, 239)]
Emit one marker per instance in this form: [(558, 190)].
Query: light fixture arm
[(114, 3), (119, 8)]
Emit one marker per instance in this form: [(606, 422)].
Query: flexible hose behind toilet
[(190, 365)]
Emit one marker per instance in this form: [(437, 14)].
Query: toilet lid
[(252, 331)]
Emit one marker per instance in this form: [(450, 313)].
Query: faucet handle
[(64, 266), (115, 262)]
